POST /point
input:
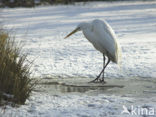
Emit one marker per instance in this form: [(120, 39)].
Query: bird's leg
[(104, 70), (96, 79), (103, 67)]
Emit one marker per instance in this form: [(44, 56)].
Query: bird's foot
[(94, 81), (97, 80), (102, 81)]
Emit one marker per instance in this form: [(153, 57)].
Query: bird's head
[(81, 26)]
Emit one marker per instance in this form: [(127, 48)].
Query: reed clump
[(15, 82)]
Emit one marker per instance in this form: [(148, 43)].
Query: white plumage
[(103, 38)]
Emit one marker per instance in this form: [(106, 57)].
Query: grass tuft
[(15, 82)]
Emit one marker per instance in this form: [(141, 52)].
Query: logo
[(138, 110)]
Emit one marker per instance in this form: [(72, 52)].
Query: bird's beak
[(74, 31)]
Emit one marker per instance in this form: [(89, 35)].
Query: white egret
[(103, 38)]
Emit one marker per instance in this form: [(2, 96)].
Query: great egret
[(103, 38)]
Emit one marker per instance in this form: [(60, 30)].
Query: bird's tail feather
[(118, 54)]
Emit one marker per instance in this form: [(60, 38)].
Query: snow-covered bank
[(42, 30)]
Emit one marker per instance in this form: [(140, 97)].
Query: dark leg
[(97, 78), (101, 73), (104, 70), (103, 67)]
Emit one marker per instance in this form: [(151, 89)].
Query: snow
[(42, 31), (45, 105), (69, 106)]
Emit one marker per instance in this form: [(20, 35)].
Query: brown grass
[(15, 82)]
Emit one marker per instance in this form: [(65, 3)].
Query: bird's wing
[(106, 39)]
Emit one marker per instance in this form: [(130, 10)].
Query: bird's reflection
[(73, 88), (65, 88)]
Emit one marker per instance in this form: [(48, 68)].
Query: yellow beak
[(74, 31)]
